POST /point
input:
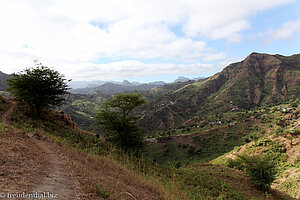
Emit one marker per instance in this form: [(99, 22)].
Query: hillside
[(3, 78), (40, 157), (280, 138), (82, 108), (261, 131), (260, 79), (52, 154)]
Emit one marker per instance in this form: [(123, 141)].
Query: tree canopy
[(39, 87), (119, 126)]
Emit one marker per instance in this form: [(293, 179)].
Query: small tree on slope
[(39, 87), (121, 127)]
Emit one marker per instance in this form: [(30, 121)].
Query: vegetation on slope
[(86, 158), (82, 108), (217, 137), (272, 130), (259, 80), (133, 178), (281, 139)]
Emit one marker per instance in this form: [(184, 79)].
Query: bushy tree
[(260, 169), (120, 127), (39, 87)]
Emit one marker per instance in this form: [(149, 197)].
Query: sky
[(142, 40)]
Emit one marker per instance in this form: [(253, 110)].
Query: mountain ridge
[(259, 79), (111, 88)]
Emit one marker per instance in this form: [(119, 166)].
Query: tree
[(260, 169), (39, 87), (119, 126)]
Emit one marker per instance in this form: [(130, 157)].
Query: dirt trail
[(6, 115), (57, 180), (56, 184)]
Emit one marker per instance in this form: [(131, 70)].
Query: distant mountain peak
[(127, 83), (181, 79)]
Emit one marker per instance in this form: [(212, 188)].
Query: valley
[(195, 132)]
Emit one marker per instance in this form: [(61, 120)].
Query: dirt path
[(6, 115), (57, 183)]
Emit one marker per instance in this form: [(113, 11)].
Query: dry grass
[(235, 178), (97, 177), (21, 161), (23, 164), (289, 182)]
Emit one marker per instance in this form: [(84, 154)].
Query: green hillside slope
[(260, 79), (99, 171)]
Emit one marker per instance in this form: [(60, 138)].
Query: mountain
[(111, 88), (181, 79), (127, 83), (260, 79), (82, 85), (82, 107), (184, 79), (3, 78)]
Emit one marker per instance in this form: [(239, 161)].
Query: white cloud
[(130, 68), (75, 34), (214, 56), (288, 31)]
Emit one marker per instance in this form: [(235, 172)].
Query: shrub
[(101, 191), (119, 125), (39, 87), (260, 170)]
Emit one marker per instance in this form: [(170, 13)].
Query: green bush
[(40, 88), (260, 170), (101, 191)]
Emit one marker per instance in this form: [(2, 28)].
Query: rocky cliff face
[(260, 79)]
